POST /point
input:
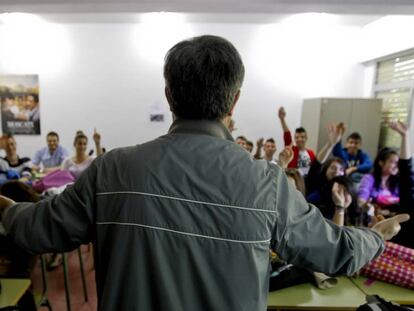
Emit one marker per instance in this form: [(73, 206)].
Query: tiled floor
[(56, 290)]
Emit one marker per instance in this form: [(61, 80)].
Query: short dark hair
[(35, 97), (249, 143), (355, 135), (52, 134), (242, 138), (300, 129), (202, 76), (270, 140)]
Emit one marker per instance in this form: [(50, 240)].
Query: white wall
[(107, 75)]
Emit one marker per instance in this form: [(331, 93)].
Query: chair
[(42, 300)]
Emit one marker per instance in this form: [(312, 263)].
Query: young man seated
[(357, 161)]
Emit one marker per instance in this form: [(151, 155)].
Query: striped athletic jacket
[(184, 222)]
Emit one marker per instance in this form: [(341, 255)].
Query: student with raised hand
[(183, 236), (81, 160), (269, 148), (390, 187), (302, 156), (358, 162)]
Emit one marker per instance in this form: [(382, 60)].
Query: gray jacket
[(184, 222)]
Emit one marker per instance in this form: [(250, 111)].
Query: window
[(394, 85)]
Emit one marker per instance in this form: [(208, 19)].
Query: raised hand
[(282, 113), (96, 137), (398, 126), (388, 228), (3, 142), (259, 143), (335, 132), (285, 156)]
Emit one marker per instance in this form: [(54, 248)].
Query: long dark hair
[(383, 155), (325, 167)]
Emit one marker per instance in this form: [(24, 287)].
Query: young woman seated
[(389, 189), (81, 160)]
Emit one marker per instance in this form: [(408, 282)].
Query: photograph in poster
[(20, 106)]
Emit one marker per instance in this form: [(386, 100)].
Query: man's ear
[(236, 98)]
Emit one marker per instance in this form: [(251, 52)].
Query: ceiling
[(369, 7), (352, 12)]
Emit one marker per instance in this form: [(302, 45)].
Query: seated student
[(269, 149), (17, 263), (302, 157), (12, 166), (81, 160), (357, 161), (52, 156), (390, 187), (325, 180)]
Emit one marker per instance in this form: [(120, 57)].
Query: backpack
[(376, 303)]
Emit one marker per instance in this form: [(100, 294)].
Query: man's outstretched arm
[(56, 224), (305, 238)]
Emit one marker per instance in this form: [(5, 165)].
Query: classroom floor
[(56, 290)]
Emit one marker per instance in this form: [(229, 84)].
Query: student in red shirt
[(302, 157)]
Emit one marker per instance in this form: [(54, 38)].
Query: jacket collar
[(201, 127)]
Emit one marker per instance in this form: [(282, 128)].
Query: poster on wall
[(20, 107)]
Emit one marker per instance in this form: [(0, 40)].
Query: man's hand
[(282, 113), (388, 228), (4, 204), (285, 157)]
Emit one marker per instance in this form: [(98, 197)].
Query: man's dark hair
[(355, 135), (270, 140), (300, 130), (35, 97), (242, 138), (52, 134), (249, 143), (202, 76)]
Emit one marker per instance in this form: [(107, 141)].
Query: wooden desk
[(400, 295), (12, 290), (344, 296)]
